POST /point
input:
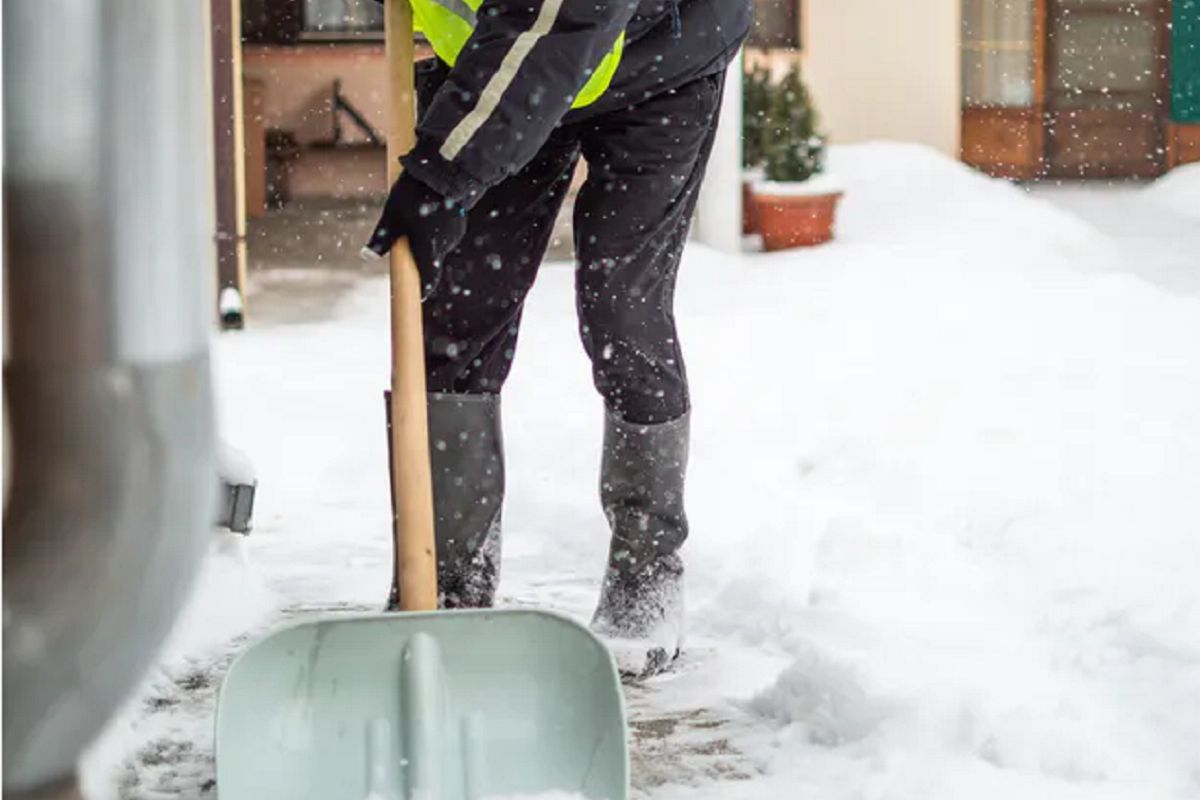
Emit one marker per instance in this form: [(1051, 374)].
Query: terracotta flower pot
[(749, 212), (795, 220)]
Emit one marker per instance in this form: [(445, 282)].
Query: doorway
[(1066, 88), (1106, 88)]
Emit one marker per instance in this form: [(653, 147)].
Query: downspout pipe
[(109, 253)]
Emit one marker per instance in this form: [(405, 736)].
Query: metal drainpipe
[(108, 200)]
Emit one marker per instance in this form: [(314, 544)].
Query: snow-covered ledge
[(820, 184)]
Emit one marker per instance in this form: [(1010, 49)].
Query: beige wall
[(298, 86), (293, 91), (885, 69)]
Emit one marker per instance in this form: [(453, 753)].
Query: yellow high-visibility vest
[(448, 24)]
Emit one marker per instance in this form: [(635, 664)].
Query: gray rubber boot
[(467, 456), (641, 609)]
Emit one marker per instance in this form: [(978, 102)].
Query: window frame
[(282, 22), (792, 39)]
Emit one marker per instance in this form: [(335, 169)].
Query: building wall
[(293, 92), (298, 86), (885, 70), (1183, 144)]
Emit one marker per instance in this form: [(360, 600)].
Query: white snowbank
[(230, 599), (820, 184), (952, 472), (1179, 190), (906, 195), (943, 468), (943, 498), (233, 465)]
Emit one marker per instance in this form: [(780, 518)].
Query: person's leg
[(473, 315), (645, 166), (471, 321), (471, 325)]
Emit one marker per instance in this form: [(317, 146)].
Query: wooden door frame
[(1045, 64), (1041, 44), (1009, 141), (229, 158)]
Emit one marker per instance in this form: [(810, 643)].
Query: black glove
[(432, 225)]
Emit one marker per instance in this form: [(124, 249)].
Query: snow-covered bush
[(793, 149), (756, 98)]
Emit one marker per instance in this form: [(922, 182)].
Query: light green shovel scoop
[(470, 705)]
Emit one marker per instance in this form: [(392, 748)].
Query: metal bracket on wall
[(236, 506), (342, 105)]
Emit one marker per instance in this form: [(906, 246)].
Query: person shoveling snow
[(498, 138)]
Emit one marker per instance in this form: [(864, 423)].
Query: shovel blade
[(466, 705)]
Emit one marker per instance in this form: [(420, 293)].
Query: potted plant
[(796, 205), (756, 98)]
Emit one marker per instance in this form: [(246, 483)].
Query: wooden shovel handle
[(412, 487)]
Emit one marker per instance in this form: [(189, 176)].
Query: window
[(776, 24), (286, 21), (342, 16), (271, 21), (997, 53)]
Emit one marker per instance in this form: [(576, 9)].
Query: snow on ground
[(1148, 225), (942, 492), (1179, 191)]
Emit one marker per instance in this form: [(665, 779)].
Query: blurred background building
[(1019, 88), (1023, 89)]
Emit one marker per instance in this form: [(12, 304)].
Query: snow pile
[(955, 483), (907, 196), (1179, 191), (943, 502), (231, 598), (233, 465), (942, 498), (229, 601), (823, 699)]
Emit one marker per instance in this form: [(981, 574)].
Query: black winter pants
[(645, 165)]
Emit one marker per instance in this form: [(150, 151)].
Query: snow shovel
[(421, 704), (464, 705)]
